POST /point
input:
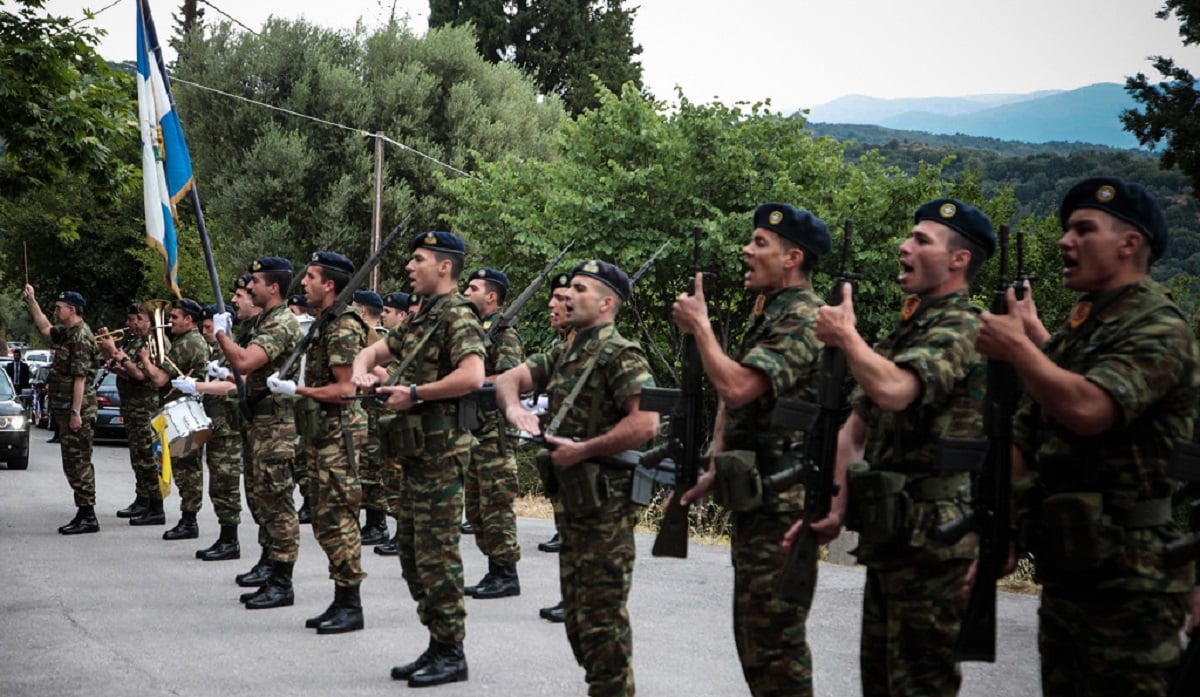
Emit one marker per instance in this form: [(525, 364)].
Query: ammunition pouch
[(410, 435), (581, 489), (310, 418), (1073, 536), (738, 483), (545, 470), (879, 508), (468, 414)]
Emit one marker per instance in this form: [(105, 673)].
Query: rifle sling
[(565, 408)]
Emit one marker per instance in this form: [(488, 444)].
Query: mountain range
[(1088, 115)]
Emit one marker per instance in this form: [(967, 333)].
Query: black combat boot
[(467, 528), (277, 592), (185, 529), (153, 515), (406, 670), (226, 547), (447, 664), (483, 582), (304, 515), (551, 545), (134, 509), (553, 613), (347, 615), (375, 532), (504, 582), (314, 622), (257, 575), (390, 548), (83, 522)]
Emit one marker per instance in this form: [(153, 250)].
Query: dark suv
[(14, 426)]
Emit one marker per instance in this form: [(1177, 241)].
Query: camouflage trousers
[(270, 487), (1097, 643), (769, 631), (300, 470), (911, 618), (335, 500), (371, 467), (223, 453), (188, 473), (141, 448), (595, 566), (76, 448), (490, 487), (428, 530)]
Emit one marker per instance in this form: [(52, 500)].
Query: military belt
[(936, 488), (1144, 514)]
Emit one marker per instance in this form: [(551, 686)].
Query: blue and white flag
[(166, 165)]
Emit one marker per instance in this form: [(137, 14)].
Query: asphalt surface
[(123, 612)]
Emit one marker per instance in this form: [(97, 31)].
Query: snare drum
[(188, 427)]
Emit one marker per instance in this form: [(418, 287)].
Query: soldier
[(298, 306), (559, 285), (778, 359), (441, 353), (187, 356), (1107, 397), (922, 382), (490, 483), (396, 308), (374, 498), (139, 402), (594, 383), (72, 397), (333, 432), (271, 432)]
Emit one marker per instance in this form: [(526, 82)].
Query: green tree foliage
[(562, 43), (276, 183), (631, 174), (1171, 108), (63, 110)]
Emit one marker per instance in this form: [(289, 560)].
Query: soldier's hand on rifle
[(397, 396), (222, 322), (565, 452), (365, 380), (690, 312), (523, 419), (1002, 336), (1026, 309), (278, 385), (836, 323), (704, 487), (217, 371)]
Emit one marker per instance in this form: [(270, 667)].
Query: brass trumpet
[(119, 334)]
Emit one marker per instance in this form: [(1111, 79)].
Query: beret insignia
[(482, 273), (256, 266), (591, 267), (431, 238), (775, 217), (948, 210), (1105, 194)]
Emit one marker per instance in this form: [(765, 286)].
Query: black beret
[(446, 242), (414, 300), (609, 274), (493, 275), (396, 301), (562, 280), (299, 299), (242, 281), (133, 308), (1125, 200), (791, 223), (211, 311), (270, 264), (333, 261), (72, 298), (189, 307), (369, 298), (968, 221)]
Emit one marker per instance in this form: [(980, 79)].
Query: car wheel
[(19, 463)]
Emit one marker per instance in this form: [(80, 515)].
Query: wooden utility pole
[(377, 209)]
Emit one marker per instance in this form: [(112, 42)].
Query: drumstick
[(25, 246)]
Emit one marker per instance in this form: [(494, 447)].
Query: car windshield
[(6, 387)]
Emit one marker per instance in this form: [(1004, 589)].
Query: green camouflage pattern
[(1108, 642), (335, 493), (223, 454), (597, 554), (781, 344), (188, 356), (370, 461), (1138, 347), (431, 495), (139, 403), (270, 487), (911, 618), (490, 485), (75, 355)]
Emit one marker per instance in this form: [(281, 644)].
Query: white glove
[(184, 384), (278, 385), (217, 371), (222, 322)]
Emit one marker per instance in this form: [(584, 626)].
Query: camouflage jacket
[(137, 394), (188, 356), (781, 344), (505, 351), (601, 402), (277, 332), (1136, 345), (456, 335), (76, 354), (339, 342)]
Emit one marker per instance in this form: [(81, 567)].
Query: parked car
[(110, 425), (41, 400), (15, 425), (37, 357)]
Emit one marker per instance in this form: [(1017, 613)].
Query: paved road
[(123, 612)]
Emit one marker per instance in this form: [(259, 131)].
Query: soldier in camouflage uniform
[(298, 306), (396, 307), (1107, 397), (187, 356), (597, 555), (139, 402), (374, 497), (72, 397), (333, 432), (560, 284), (272, 430), (922, 382), (441, 353), (779, 359)]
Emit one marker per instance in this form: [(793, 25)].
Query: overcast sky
[(802, 53)]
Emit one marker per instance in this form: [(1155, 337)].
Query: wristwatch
[(412, 394), (75, 412)]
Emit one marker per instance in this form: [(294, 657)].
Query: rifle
[(510, 313), (818, 460), (649, 262), (990, 514), (686, 406)]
